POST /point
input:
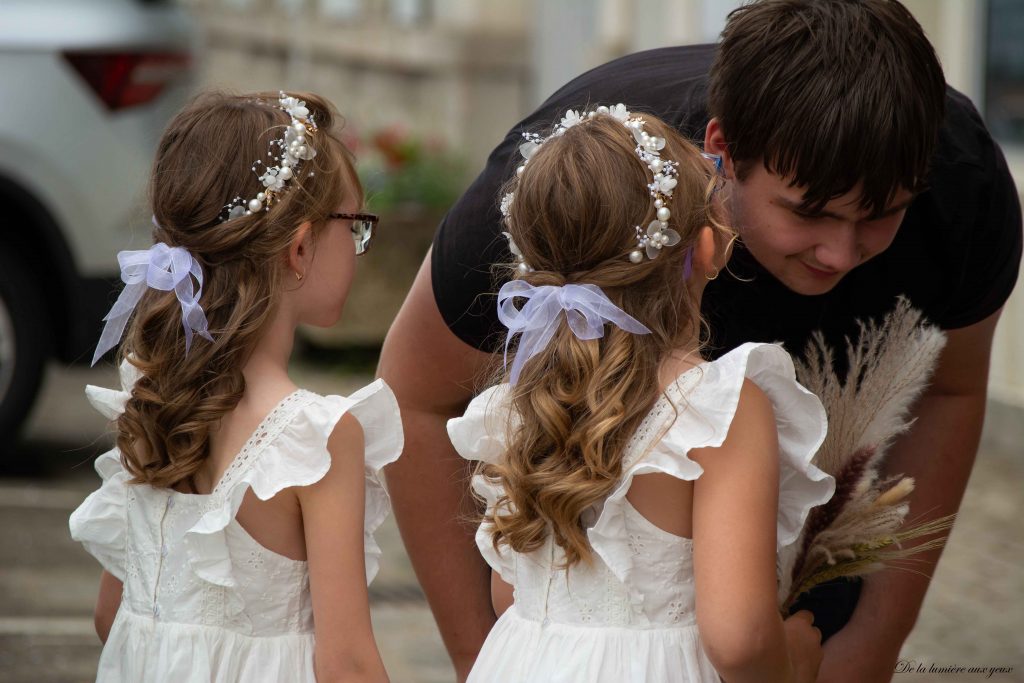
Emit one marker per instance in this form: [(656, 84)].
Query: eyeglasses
[(716, 159), (362, 228)]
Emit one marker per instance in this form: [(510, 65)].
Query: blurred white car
[(87, 87)]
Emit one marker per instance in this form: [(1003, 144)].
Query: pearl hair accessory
[(648, 147), (521, 267), (294, 149)]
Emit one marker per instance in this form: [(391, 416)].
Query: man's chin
[(812, 287)]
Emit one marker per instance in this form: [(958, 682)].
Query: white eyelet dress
[(202, 600), (629, 617)]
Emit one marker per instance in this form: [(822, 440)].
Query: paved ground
[(972, 616)]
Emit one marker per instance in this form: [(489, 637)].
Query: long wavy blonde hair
[(203, 161), (577, 403)]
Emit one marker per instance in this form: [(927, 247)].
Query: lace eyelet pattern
[(269, 429)]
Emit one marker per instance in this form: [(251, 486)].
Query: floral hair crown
[(648, 147), (292, 148)]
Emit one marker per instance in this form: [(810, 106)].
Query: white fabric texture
[(630, 615), (202, 600)]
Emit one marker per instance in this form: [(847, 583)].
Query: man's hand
[(938, 453)]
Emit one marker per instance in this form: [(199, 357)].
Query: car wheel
[(24, 343)]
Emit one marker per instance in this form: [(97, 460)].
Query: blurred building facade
[(456, 70), (466, 70)]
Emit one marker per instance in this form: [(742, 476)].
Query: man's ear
[(715, 143), (300, 249)]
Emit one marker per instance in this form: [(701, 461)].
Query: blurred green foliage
[(400, 170)]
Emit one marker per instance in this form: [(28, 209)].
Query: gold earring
[(712, 277), (298, 277)]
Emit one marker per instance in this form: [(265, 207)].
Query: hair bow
[(587, 310), (160, 267)]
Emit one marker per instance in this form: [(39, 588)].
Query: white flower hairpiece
[(293, 147), (648, 147), (514, 248)]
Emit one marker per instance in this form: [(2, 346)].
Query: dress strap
[(660, 418), (268, 430)]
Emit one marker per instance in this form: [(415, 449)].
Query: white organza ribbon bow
[(587, 310), (160, 267)]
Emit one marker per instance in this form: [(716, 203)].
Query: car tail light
[(128, 79)]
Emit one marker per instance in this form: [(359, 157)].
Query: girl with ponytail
[(635, 497), (235, 519)]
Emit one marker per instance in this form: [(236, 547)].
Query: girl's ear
[(706, 251), (300, 250)]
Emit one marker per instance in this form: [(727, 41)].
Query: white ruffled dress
[(630, 616), (202, 600)]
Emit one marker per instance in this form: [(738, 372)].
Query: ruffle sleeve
[(110, 402), (706, 398), (480, 435), (100, 523), (296, 455)]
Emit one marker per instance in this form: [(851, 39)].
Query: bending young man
[(855, 175)]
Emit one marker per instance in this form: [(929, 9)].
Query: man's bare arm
[(938, 453), (434, 374)]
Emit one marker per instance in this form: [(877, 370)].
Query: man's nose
[(839, 251)]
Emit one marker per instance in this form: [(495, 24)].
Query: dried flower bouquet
[(863, 527)]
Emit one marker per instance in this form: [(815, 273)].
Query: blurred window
[(713, 14), (1004, 70), (341, 9), (410, 12)]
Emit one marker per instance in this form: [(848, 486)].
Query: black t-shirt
[(955, 256)]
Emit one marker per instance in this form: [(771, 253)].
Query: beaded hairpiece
[(292, 148), (658, 235)]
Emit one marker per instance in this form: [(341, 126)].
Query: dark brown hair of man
[(829, 94), (204, 160)]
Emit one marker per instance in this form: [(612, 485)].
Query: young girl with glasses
[(235, 519), (635, 497)]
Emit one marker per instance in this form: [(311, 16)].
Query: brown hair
[(577, 402), (204, 161), (829, 93)]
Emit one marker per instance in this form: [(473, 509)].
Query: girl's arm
[(332, 518), (735, 506), (107, 604)]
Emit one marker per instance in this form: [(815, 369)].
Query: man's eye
[(884, 217)]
